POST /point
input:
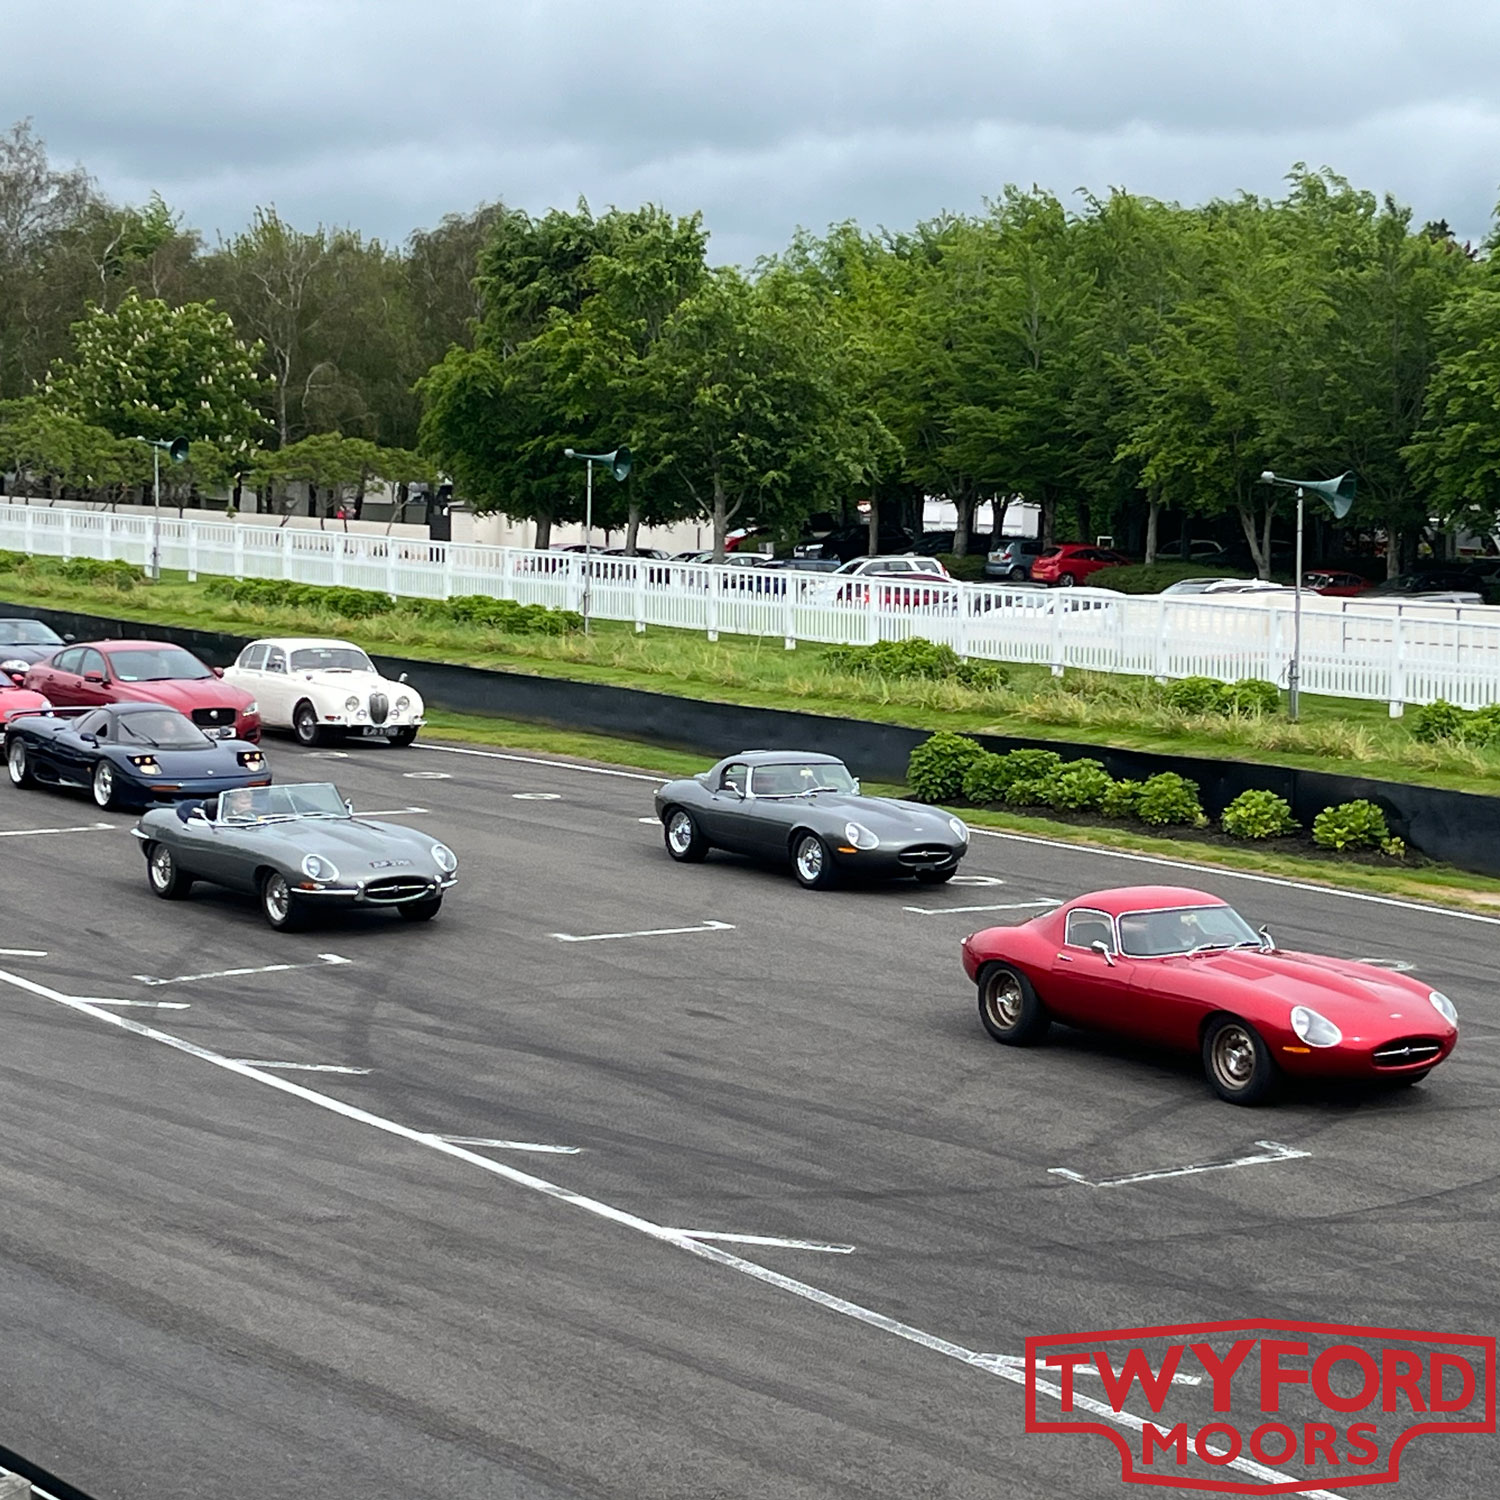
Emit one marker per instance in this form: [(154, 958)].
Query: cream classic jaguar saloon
[(325, 690)]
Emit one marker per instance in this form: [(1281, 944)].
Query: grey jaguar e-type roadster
[(295, 848), (793, 805)]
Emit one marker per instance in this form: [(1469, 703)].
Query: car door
[(60, 679), (275, 690), (74, 748), (768, 815), (1091, 988), (95, 684), (723, 815)]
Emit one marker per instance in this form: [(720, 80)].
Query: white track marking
[(943, 911), (1400, 965), (1228, 874), (606, 937), (328, 755), (27, 833), (426, 776), (474, 1140), (387, 812), (648, 820), (990, 1363), (536, 796), (767, 1239), (969, 879), (142, 1004), (1273, 1151), (536, 760), (323, 958), (24, 952), (1019, 1362), (256, 1062)]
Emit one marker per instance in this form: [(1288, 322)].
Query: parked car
[(101, 672), (325, 690), (1335, 583), (1074, 563), (15, 699), (28, 641), (902, 590), (894, 566), (1013, 558), (941, 543), (1454, 585), (853, 541), (805, 564)]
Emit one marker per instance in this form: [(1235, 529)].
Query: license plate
[(227, 733)]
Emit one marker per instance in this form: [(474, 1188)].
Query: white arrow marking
[(247, 1062), (24, 952), (1273, 1150), (765, 1239), (323, 958), (474, 1140), (26, 833), (605, 937), (943, 911)]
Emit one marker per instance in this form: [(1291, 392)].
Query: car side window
[(1085, 928), (275, 659), (93, 661), (734, 779), (252, 659), (95, 724), (67, 661)]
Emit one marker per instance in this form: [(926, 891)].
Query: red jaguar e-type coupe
[(1183, 968)]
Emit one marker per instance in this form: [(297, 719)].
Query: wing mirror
[(70, 638), (94, 677), (856, 786), (89, 739), (1268, 943), (217, 671), (401, 678), (197, 815), (348, 806), (1100, 947)]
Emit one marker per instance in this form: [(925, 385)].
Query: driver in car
[(236, 804)]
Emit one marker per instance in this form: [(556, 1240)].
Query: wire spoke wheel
[(810, 860), (161, 867), (680, 832)]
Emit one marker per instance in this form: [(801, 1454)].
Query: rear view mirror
[(1102, 949), (197, 815), (856, 786), (70, 638), (401, 678), (1267, 940), (94, 677), (217, 671)]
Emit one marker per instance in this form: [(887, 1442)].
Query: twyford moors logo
[(1259, 1407)]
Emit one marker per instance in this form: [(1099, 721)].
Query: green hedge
[(915, 658), (1251, 696), (1439, 721), (111, 575)]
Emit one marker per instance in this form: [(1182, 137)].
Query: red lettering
[(1152, 1439), (1467, 1380), (1221, 1369), (1401, 1370), (1065, 1363), (1155, 1384), (1282, 1432), (1272, 1376), (1215, 1455), (1326, 1393), (1362, 1448), (1319, 1439)]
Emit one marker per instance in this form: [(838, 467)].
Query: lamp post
[(1338, 495), (619, 463), (177, 450)]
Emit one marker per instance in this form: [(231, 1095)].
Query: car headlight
[(445, 859), (252, 707), (145, 764), (17, 665), (351, 704), (315, 867), (402, 704), (1444, 1007), (960, 829), (1315, 1030), (860, 836), (47, 704)]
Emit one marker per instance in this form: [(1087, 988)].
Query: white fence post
[(1161, 639), (28, 530), (239, 552), (286, 551), (391, 545), (447, 560), (1054, 608), (192, 553), (1396, 688), (340, 557), (640, 595), (715, 583), (789, 590), (67, 533)]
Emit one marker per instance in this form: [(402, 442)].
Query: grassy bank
[(1094, 708)]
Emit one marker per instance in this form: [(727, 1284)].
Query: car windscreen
[(27, 633), (331, 659), (162, 729), (1184, 929), (277, 804), (800, 779), (156, 664)]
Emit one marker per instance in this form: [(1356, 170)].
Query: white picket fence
[(1396, 654)]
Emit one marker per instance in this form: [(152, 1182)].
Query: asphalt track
[(252, 1282)]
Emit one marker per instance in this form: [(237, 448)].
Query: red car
[(1184, 969), (903, 591), (1335, 583), (18, 700), (146, 672), (1073, 563)]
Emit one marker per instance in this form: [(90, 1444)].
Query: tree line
[(1127, 365)]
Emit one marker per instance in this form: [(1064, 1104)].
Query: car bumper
[(361, 723), (892, 861), (168, 791), (376, 893), (1366, 1061)]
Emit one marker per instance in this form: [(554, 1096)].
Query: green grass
[(1125, 712)]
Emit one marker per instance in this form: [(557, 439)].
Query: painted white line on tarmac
[(608, 937), (648, 820), (27, 833), (142, 1004), (767, 1239), (426, 776), (1290, 885), (969, 879), (323, 958), (943, 911), (328, 755), (536, 760), (1272, 1151), (24, 952), (475, 1140), (290, 1067), (536, 796), (386, 812), (661, 1233)]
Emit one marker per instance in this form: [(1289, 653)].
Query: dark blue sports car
[(128, 755)]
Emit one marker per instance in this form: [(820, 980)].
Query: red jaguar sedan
[(146, 672), (1073, 563)]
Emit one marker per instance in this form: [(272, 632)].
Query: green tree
[(38, 441)]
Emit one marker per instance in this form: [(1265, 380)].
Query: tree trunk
[(543, 531), (721, 517), (1153, 521), (1392, 552), (965, 506), (872, 534), (1047, 518), (1258, 555), (632, 526), (998, 506)]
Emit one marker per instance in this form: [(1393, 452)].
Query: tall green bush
[(936, 768)]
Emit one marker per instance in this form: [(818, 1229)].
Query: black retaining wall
[(1460, 828)]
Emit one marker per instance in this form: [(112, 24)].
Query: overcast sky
[(766, 114)]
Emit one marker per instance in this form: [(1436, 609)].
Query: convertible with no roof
[(794, 805), (1184, 969), (296, 848)]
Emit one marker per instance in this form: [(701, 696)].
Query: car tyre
[(421, 911), (306, 727), (164, 874), (403, 737), (279, 904), (936, 877), (1066, 581), (18, 763), (812, 862), (1238, 1063), (683, 837), (105, 792), (1010, 1008)]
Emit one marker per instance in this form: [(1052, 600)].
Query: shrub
[(355, 604), (936, 769), (1439, 720), (987, 778), (1258, 814), (915, 658), (1351, 825), (1253, 696), (1393, 847), (1196, 695), (1483, 727), (503, 614), (982, 676), (1120, 800), (1031, 791), (1081, 786), (1168, 798), (1024, 777), (111, 575), (11, 562)]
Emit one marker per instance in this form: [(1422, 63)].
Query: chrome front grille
[(1407, 1051), (925, 856), (213, 717), (398, 888), (380, 707)]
